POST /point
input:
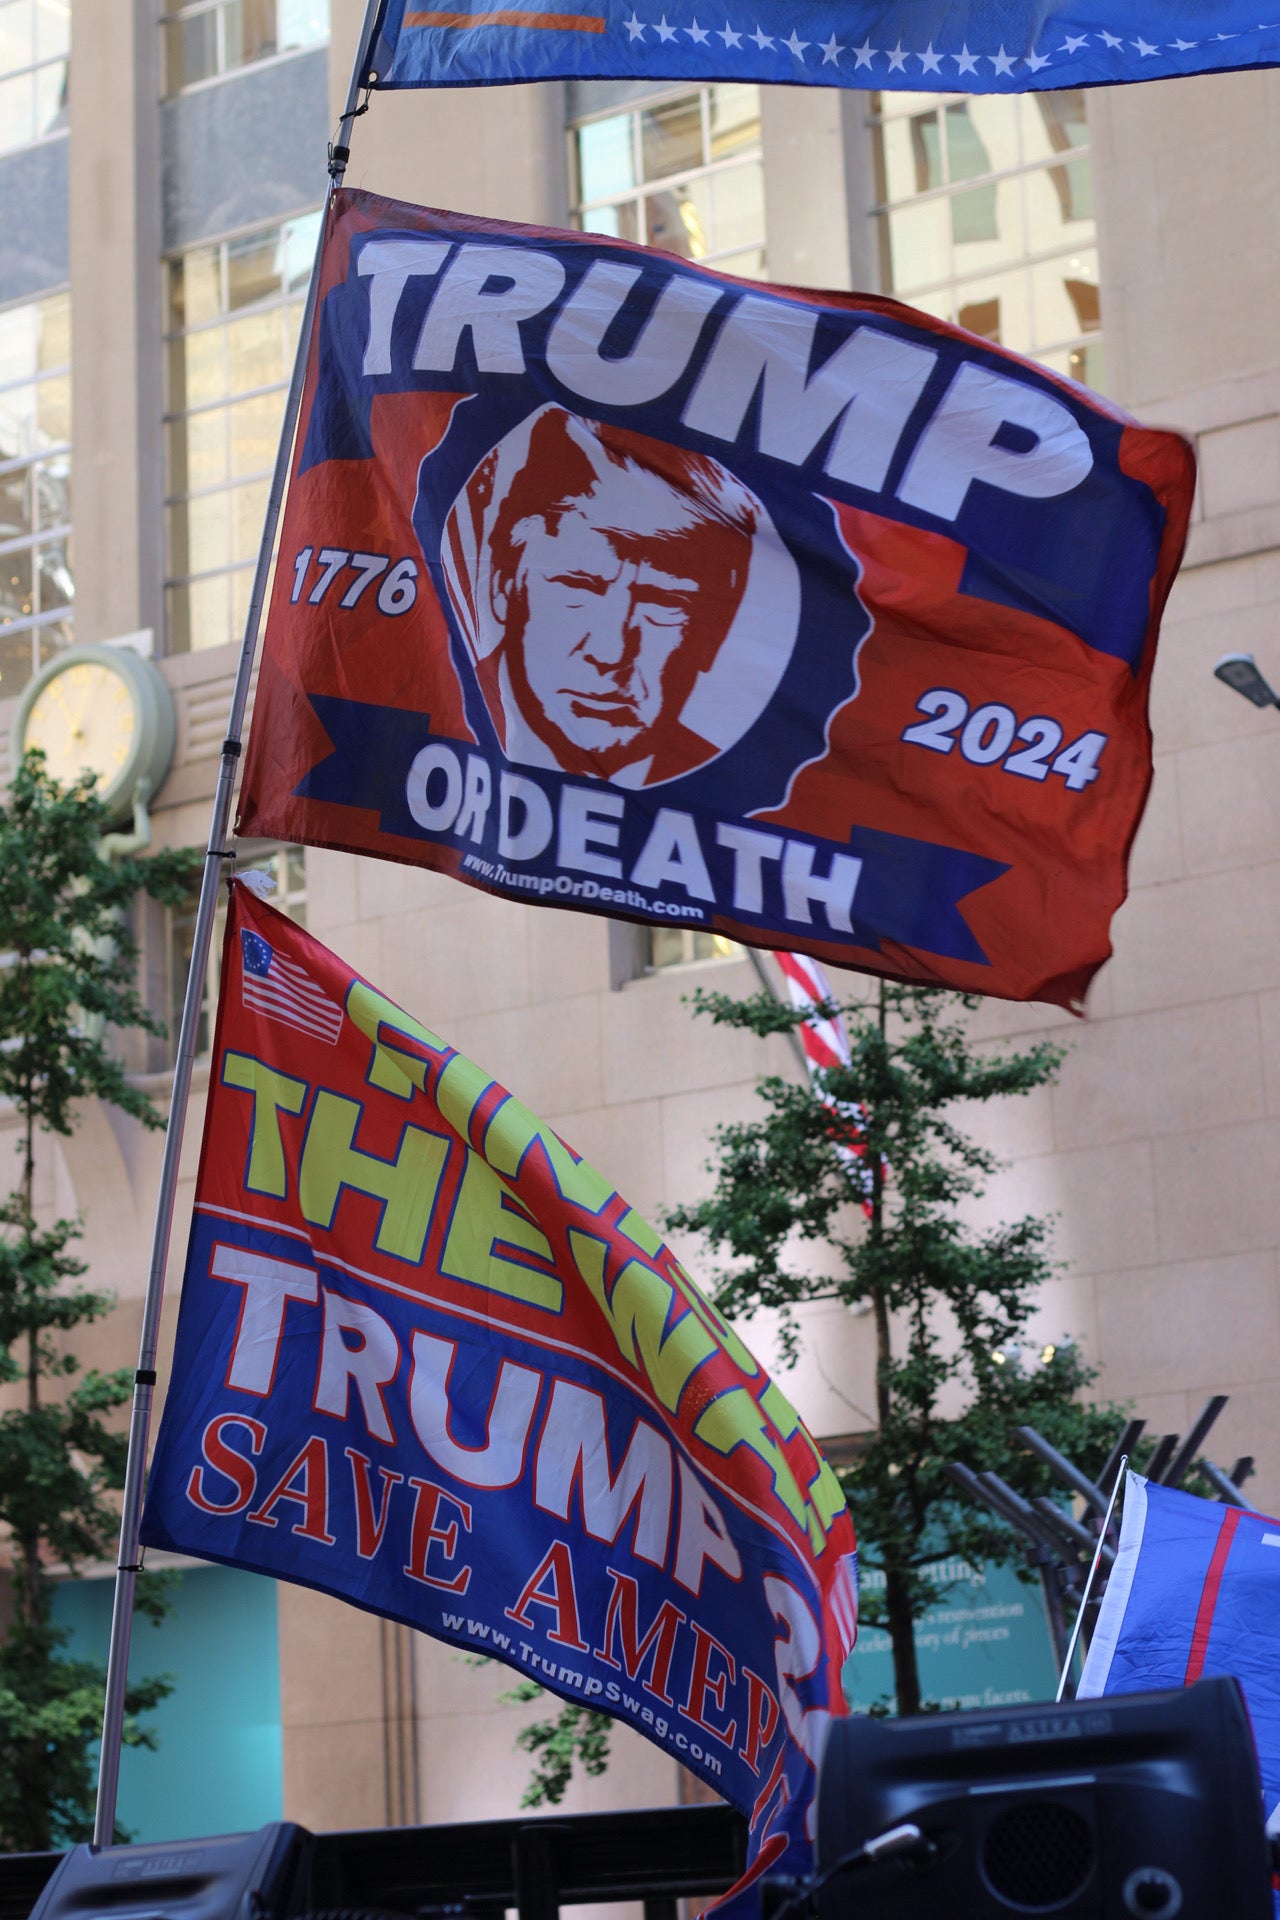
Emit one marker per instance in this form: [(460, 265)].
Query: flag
[(919, 46), (1195, 1590), (611, 582), (280, 990), (429, 1361), (826, 1044)]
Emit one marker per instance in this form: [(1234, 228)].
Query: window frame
[(707, 168), (954, 283), (29, 72), (38, 538), (177, 500), (178, 11)]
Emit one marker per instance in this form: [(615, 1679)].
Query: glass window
[(681, 946), (36, 589), (683, 172), (287, 867), (35, 41), (234, 309), (985, 217), (203, 38)]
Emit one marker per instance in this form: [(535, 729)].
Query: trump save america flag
[(428, 1360), (612, 582), (941, 46), (1195, 1590)]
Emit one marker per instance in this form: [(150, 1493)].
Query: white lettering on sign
[(962, 443), (869, 385), (987, 426)]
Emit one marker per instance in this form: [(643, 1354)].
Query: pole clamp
[(230, 749), (144, 1377)]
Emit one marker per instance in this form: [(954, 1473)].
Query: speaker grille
[(1038, 1855)]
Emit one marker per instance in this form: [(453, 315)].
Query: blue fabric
[(942, 46), (1195, 1591)]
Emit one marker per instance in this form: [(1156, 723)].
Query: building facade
[(162, 172)]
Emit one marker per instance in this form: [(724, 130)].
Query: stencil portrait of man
[(597, 576)]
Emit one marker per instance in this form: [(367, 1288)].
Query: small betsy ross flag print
[(280, 990)]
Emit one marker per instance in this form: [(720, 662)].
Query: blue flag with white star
[(943, 46)]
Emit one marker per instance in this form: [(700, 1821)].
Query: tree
[(950, 1303), (67, 980)]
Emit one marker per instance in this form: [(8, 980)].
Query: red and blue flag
[(429, 1361), (1195, 1590), (612, 582), (917, 46)]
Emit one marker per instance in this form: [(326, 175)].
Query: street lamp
[(1241, 671)]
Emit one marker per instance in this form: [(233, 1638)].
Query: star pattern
[(884, 63)]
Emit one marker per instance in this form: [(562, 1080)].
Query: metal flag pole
[(128, 1561), (1088, 1585)]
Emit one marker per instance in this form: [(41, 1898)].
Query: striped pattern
[(826, 1044), (509, 17), (843, 1600), (281, 990)]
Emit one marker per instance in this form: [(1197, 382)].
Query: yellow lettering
[(487, 1216), (458, 1091), (408, 1185), (273, 1093), (393, 1069), (825, 1492), (715, 1322), (734, 1419), (511, 1133), (637, 1313)]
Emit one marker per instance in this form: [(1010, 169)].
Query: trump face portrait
[(600, 579)]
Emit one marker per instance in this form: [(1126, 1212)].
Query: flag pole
[(1088, 1585), (217, 852)]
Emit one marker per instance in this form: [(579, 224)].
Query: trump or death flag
[(428, 1360), (1195, 1590), (942, 46), (612, 582)]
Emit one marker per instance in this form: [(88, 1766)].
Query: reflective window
[(203, 38), (681, 946), (35, 486), (35, 40), (683, 173), (985, 217), (234, 309)]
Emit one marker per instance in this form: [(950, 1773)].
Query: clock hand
[(59, 696)]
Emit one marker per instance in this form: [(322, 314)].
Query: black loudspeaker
[(239, 1876), (1137, 1807)]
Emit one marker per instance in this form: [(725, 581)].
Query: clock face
[(84, 719)]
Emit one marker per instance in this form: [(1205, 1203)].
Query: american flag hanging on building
[(826, 1044), (281, 990)]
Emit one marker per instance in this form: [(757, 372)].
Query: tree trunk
[(32, 1592), (902, 1634)]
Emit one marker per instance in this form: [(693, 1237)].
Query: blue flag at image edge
[(429, 1361), (938, 46), (1195, 1591)]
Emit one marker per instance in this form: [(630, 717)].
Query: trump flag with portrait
[(429, 1361), (609, 581)]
